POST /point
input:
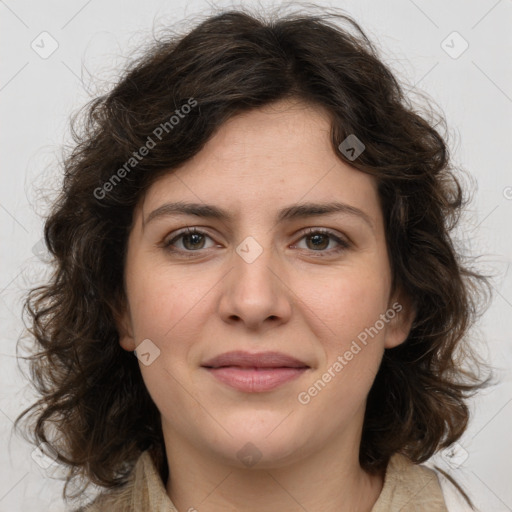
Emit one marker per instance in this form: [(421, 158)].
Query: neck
[(318, 482)]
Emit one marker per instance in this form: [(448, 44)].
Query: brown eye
[(193, 240), (318, 240)]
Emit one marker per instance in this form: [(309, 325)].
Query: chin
[(261, 443)]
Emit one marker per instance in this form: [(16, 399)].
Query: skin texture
[(308, 302)]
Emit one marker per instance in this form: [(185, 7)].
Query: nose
[(254, 292)]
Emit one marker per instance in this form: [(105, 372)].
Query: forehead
[(263, 159)]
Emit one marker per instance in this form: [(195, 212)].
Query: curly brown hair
[(95, 414)]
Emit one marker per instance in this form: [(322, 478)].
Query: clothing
[(407, 487)]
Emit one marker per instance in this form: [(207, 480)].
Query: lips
[(248, 360), (254, 373)]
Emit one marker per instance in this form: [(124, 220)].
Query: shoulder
[(144, 490), (118, 500), (410, 487)]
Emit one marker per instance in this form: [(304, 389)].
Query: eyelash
[(343, 245)]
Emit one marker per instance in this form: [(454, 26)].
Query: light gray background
[(94, 39)]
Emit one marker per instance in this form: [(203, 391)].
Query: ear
[(402, 312), (124, 328)]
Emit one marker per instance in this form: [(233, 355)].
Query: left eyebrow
[(297, 211)]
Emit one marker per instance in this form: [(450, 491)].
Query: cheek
[(163, 311), (170, 310), (353, 347), (351, 333), (161, 302), (348, 303)]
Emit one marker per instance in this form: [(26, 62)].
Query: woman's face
[(268, 277)]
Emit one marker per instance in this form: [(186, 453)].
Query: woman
[(257, 214)]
